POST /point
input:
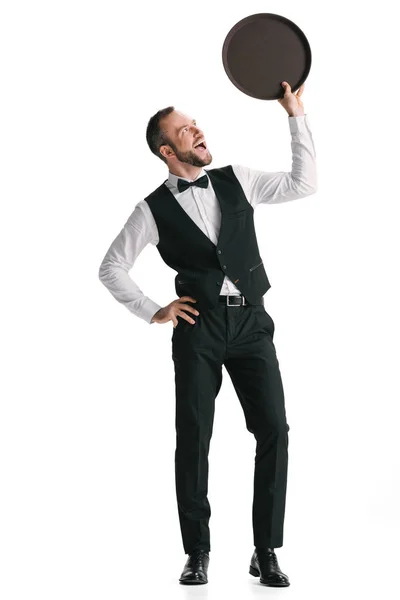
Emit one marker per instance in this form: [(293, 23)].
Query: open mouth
[(201, 146)]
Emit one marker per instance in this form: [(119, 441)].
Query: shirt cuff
[(148, 309), (297, 124)]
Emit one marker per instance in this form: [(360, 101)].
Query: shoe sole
[(192, 582), (256, 573)]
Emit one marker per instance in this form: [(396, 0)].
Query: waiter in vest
[(201, 221)]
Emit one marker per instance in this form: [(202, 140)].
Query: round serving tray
[(263, 50)]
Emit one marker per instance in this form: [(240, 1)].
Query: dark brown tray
[(263, 50)]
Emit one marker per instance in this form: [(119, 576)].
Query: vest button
[(224, 266), (219, 251), (218, 283)]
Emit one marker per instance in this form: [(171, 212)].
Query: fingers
[(185, 307), (181, 305), (185, 316), (288, 89), (189, 308)]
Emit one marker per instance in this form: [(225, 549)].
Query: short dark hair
[(154, 136)]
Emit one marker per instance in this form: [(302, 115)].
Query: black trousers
[(241, 338)]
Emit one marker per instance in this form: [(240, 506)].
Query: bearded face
[(198, 156), (186, 139)]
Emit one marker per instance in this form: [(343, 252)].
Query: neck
[(184, 170)]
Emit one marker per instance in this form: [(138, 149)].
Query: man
[(201, 222)]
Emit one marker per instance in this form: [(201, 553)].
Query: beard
[(191, 158)]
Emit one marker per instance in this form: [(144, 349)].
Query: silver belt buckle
[(242, 304)]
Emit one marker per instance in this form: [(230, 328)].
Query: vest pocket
[(238, 213), (255, 266)]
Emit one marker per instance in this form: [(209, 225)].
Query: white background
[(88, 506)]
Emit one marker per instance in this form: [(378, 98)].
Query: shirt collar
[(173, 179)]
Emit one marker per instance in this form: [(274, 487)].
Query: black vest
[(201, 265)]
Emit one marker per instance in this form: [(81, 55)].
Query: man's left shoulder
[(225, 169)]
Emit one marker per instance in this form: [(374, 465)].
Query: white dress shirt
[(201, 204)]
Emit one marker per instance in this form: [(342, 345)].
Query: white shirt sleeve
[(262, 187), (138, 231)]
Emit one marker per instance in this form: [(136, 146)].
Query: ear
[(166, 151)]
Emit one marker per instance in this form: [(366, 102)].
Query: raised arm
[(271, 187)]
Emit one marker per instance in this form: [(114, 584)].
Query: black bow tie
[(184, 185)]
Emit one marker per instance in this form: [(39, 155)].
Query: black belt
[(235, 300)]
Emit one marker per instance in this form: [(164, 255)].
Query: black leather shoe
[(264, 564), (195, 570)]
